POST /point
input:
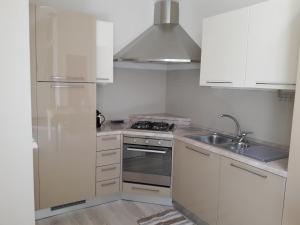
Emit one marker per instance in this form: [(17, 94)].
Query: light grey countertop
[(279, 167)]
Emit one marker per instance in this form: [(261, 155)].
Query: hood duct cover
[(165, 42)]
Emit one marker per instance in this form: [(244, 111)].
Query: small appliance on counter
[(100, 119)]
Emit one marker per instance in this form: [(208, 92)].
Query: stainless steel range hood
[(165, 42)]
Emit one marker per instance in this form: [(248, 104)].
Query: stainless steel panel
[(147, 141), (143, 178)]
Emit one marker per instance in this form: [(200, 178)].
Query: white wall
[(258, 111), (132, 17), (133, 91), (16, 173)]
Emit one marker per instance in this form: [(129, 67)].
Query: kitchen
[(185, 134)]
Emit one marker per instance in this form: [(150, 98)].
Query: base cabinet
[(196, 181), (108, 165), (249, 196)]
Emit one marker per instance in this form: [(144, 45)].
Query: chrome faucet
[(240, 137), (237, 124)]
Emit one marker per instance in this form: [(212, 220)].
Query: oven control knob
[(134, 140), (147, 141), (159, 142)]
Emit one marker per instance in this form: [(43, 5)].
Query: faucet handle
[(242, 137), (245, 133)]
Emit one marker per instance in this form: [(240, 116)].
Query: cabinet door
[(224, 48), (249, 196), (196, 178), (274, 39), (66, 45), (67, 142), (105, 52)]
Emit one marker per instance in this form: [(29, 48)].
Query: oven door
[(147, 165)]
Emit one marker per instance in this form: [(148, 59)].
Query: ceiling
[(132, 17)]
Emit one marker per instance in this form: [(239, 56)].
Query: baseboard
[(147, 199), (44, 213)]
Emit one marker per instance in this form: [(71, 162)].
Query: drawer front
[(146, 190), (108, 172), (108, 187), (108, 157), (108, 142)]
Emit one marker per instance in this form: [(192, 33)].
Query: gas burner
[(155, 126)]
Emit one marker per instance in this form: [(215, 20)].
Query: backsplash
[(133, 92), (258, 111)]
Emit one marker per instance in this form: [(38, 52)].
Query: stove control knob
[(159, 142), (134, 140), (147, 141)]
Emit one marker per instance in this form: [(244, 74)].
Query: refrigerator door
[(67, 142), (66, 45)]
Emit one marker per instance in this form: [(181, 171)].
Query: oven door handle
[(146, 150)]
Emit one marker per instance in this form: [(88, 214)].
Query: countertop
[(279, 167)]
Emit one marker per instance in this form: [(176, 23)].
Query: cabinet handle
[(98, 78), (108, 184), (109, 138), (249, 171), (218, 82), (109, 154), (66, 86), (108, 169), (144, 189), (273, 83), (67, 78), (198, 151)]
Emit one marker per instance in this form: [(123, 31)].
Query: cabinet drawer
[(146, 190), (108, 157), (108, 172), (108, 142), (108, 187)]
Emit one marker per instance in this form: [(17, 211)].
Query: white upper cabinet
[(105, 52), (273, 44), (224, 48), (255, 47)]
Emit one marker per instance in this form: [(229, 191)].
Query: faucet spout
[(237, 124)]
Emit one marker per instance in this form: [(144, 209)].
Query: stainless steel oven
[(147, 161)]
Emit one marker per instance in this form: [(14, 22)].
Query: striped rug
[(168, 217)]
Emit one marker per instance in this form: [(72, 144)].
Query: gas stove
[(153, 126)]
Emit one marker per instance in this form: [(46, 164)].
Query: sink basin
[(237, 147), (212, 139), (251, 150)]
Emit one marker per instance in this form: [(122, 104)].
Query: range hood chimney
[(165, 42)]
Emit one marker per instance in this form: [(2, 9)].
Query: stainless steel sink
[(237, 147), (212, 139), (250, 149)]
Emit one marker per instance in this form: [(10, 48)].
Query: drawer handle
[(197, 151), (109, 154), (100, 78), (109, 138), (218, 82), (108, 169), (144, 189), (272, 83), (108, 184), (249, 171)]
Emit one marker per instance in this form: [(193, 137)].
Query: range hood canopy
[(165, 42)]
